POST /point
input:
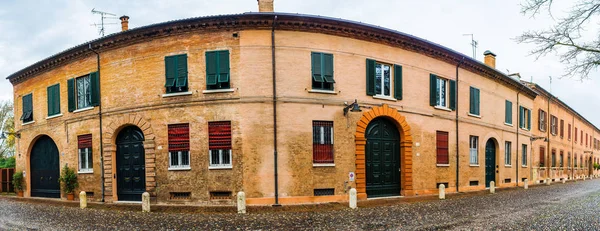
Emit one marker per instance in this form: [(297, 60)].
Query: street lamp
[(355, 107)]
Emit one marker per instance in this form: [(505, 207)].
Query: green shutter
[(432, 89), (508, 112), (27, 108), (223, 66), (472, 100), (54, 100), (317, 67), (211, 68), (328, 68), (57, 99), (50, 94), (182, 71), (370, 77), (170, 71), (477, 103), (95, 87), (71, 94), (521, 117), (452, 95), (528, 119), (397, 82)]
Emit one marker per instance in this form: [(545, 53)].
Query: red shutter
[(442, 147), (322, 152), (84, 141), (219, 135), (179, 137), (542, 158)]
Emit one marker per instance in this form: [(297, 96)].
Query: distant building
[(186, 111)]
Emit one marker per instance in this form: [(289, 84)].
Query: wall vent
[(89, 195), (523, 179), (474, 183), (324, 192), (221, 195), (439, 183), (507, 180), (180, 195)]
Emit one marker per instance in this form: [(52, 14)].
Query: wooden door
[(382, 159), (131, 168)]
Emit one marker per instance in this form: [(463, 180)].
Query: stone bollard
[(241, 202), (548, 181), (353, 199), (146, 202), (442, 191), (82, 200), (526, 184), (564, 180), (583, 178), (492, 187)]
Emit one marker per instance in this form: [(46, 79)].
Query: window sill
[(54, 116), (443, 165), (322, 91), (442, 108), (524, 129), (177, 94), (218, 91), (524, 166), (28, 123), (83, 109), (179, 168), (473, 165), (507, 124), (323, 165), (220, 167), (389, 98), (508, 166), (85, 171), (473, 115)]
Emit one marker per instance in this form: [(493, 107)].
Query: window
[(562, 128), (84, 144), (474, 101), (508, 112), (524, 118), (542, 157), (217, 70), (176, 73), (561, 159), (507, 154), (473, 150), (553, 158), (524, 155), (322, 71), (442, 147), (179, 146), (586, 139), (27, 101), (54, 100), (542, 120), (83, 92), (442, 92), (322, 142), (575, 134), (219, 144), (383, 79), (581, 133), (553, 125), (569, 132), (569, 159)]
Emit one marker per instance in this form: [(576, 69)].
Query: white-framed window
[(84, 92), (84, 145), (441, 98), (383, 79), (507, 153), (542, 120), (524, 154), (179, 146), (322, 142), (219, 144), (473, 150), (179, 160), (553, 125)]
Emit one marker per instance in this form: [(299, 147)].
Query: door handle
[(41, 178), (496, 171)]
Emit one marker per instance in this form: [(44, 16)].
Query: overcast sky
[(31, 30)]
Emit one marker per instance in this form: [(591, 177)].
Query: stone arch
[(109, 136), (406, 181), (27, 156)]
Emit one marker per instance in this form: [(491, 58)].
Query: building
[(288, 108)]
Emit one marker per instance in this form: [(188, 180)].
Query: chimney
[(124, 22), (265, 5), (489, 59)]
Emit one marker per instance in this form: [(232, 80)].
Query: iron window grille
[(322, 142), (179, 146), (219, 142)]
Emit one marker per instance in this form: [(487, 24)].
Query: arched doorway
[(490, 162), (382, 158), (131, 164), (44, 168)]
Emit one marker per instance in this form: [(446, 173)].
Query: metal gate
[(6, 176)]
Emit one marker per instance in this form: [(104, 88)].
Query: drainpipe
[(100, 120), (274, 111), (517, 154), (548, 145), (456, 121), (572, 148)]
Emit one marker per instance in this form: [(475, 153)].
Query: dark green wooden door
[(131, 168), (382, 159), (45, 166), (490, 162)]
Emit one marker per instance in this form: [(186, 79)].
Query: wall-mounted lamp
[(538, 138), (3, 135), (355, 108), (588, 152)]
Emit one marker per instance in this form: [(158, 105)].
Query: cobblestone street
[(570, 206)]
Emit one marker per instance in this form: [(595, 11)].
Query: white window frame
[(441, 94), (524, 155), (474, 150), (83, 160), (87, 92), (220, 165), (378, 64), (180, 165), (553, 121), (542, 120), (507, 153)]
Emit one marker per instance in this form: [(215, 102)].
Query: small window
[(322, 71), (224, 195), (507, 153), (473, 149), (507, 180), (553, 158), (179, 146), (176, 73), (219, 144), (524, 118), (84, 144), (474, 183), (27, 101), (562, 129), (53, 100), (217, 70), (575, 160), (322, 142), (442, 147), (442, 92), (524, 155), (561, 158), (508, 112), (324, 192), (542, 120), (542, 157), (180, 195), (474, 101), (569, 164), (83, 88), (575, 134)]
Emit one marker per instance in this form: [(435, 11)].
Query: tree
[(7, 146), (580, 56)]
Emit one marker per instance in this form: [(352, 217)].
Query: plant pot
[(20, 193), (70, 196)]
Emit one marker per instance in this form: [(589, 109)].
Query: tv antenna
[(103, 15), (473, 45)]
